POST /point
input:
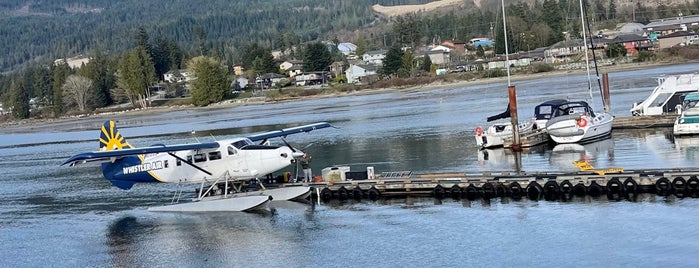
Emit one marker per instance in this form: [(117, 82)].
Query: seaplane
[(221, 168)]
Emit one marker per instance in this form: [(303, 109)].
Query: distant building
[(360, 72), (177, 76), (374, 57), (670, 25), (347, 48), (681, 38), (74, 62)]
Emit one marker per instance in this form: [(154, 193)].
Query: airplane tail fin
[(111, 139)]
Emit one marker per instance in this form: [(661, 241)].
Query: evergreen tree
[(19, 101), (392, 61), (136, 75), (211, 83), (316, 57), (361, 44), (100, 71), (200, 33), (42, 85), (426, 64), (59, 73)]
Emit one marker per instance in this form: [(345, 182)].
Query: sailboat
[(575, 121), (502, 134)]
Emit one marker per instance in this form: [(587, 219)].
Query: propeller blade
[(288, 145), (296, 153)]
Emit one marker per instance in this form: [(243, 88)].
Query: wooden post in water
[(605, 93), (516, 144)]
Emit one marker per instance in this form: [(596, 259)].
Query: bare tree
[(76, 91)]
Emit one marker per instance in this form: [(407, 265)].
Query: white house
[(564, 51), (442, 48), (374, 57), (181, 75), (355, 73), (292, 67)]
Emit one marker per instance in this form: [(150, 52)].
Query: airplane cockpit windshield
[(242, 143)]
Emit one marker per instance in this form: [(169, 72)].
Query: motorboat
[(687, 123), (495, 135), (667, 96), (576, 122), (532, 132)]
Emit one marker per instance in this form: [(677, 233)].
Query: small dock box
[(335, 173)]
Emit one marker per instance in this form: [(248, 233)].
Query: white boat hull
[(680, 128), (217, 203), (495, 135), (568, 129)]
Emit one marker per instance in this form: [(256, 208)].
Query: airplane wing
[(288, 131), (106, 155)]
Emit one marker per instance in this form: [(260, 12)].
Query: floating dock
[(545, 185), (646, 121)]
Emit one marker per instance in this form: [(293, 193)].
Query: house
[(442, 48), (374, 57), (337, 68), (268, 80), (459, 46), (177, 76), (360, 73), (239, 83), (438, 56), (670, 25), (680, 38), (291, 67), (513, 60), (564, 51), (633, 43), (347, 48), (312, 78)]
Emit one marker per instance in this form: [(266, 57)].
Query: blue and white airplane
[(219, 164)]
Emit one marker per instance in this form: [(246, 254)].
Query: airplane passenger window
[(189, 158), (179, 162), (199, 158), (214, 155), (231, 150)]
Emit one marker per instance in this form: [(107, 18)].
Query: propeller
[(296, 153)]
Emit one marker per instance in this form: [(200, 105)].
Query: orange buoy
[(479, 131), (582, 122)]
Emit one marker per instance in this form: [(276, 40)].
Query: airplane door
[(236, 162)]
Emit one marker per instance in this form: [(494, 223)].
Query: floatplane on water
[(220, 167)]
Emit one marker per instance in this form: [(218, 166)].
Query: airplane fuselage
[(235, 159)]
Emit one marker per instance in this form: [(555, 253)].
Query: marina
[(424, 132)]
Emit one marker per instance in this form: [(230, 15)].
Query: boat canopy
[(571, 107), (545, 110)]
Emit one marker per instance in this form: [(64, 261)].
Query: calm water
[(72, 217)]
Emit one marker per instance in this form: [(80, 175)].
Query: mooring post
[(516, 144), (605, 93)]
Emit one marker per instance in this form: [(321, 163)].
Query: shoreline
[(14, 126)]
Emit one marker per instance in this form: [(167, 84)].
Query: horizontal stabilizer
[(288, 131)]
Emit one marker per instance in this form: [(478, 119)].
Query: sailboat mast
[(507, 53), (587, 59)]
